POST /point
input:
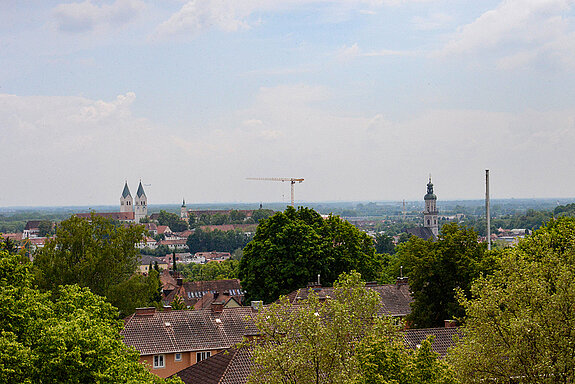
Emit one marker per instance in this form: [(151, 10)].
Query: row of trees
[(66, 334), (216, 240), (516, 307)]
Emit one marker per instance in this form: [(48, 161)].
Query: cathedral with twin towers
[(139, 205)]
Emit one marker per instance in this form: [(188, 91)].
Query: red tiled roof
[(163, 229), (192, 291), (182, 331), (12, 236)]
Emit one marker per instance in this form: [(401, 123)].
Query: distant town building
[(129, 212), (430, 229)]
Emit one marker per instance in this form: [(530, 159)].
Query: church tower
[(430, 213), (184, 211), (141, 204), (126, 200)]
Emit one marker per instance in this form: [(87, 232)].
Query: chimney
[(217, 307), (257, 305), (147, 311), (179, 281), (167, 308), (402, 281), (450, 323)]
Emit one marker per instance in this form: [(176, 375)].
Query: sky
[(364, 99)]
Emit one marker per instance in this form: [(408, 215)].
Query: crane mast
[(292, 181)]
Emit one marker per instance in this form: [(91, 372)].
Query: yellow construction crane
[(292, 181)]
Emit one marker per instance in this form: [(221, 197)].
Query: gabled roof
[(147, 259), (231, 366), (395, 298), (183, 331), (126, 191), (192, 291), (443, 338), (140, 192)]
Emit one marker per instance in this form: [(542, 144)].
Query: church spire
[(140, 192), (126, 191)]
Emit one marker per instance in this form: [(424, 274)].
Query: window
[(202, 356), (159, 361), (178, 357)]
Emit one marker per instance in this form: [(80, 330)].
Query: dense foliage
[(216, 240), (227, 269), (339, 340), (292, 247), (172, 220), (520, 325), (100, 255), (436, 268), (66, 336)]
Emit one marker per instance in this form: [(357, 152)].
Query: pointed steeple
[(183, 203), (140, 192), (126, 191)]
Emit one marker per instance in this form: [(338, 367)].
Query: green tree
[(70, 336), (261, 214), (339, 340), (227, 269), (386, 360), (97, 254), (519, 321), (384, 244), (436, 268), (45, 228), (292, 247), (172, 220)]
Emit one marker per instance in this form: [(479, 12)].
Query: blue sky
[(362, 98)]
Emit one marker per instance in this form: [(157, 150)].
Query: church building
[(430, 229), (139, 205)]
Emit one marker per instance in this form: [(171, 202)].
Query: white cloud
[(232, 15), (354, 51), (431, 22), (519, 33), (87, 16)]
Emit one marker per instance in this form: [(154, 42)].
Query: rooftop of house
[(147, 260), (228, 367), (151, 332), (395, 298), (192, 291), (444, 338)]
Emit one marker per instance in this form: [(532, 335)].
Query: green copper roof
[(430, 195), (126, 191), (140, 192)]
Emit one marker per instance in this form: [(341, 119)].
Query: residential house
[(395, 298), (145, 261), (170, 341), (192, 292)]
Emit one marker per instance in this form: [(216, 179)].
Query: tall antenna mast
[(487, 211)]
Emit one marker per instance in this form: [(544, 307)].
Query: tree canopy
[(436, 268), (292, 247), (69, 336), (520, 325), (172, 220), (339, 340), (98, 254)]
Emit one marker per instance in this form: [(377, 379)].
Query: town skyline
[(361, 98)]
